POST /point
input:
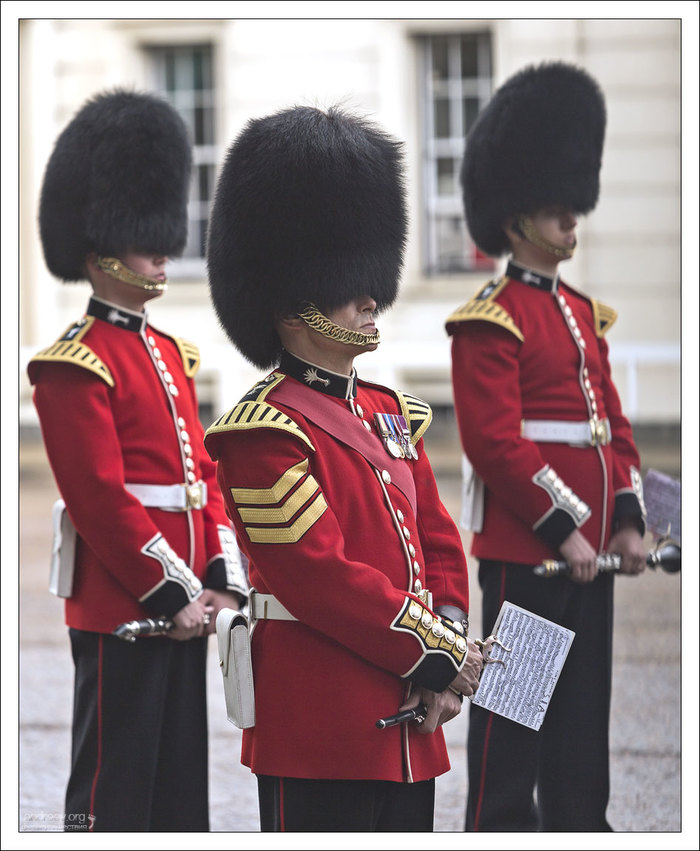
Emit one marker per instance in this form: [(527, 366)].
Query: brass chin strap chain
[(313, 317), (531, 234), (118, 270)]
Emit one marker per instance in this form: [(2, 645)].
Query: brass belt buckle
[(599, 432), (194, 496)]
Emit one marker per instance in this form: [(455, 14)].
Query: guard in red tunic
[(118, 412), (553, 471), (359, 592)]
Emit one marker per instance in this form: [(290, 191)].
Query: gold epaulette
[(603, 317), (76, 353), (254, 412), (190, 356), (482, 307), (418, 414)]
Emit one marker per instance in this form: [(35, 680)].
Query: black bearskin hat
[(538, 142), (117, 181), (309, 206)]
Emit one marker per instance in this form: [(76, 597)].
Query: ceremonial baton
[(414, 714), (667, 556), (149, 626)]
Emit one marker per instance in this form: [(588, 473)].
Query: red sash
[(342, 424)]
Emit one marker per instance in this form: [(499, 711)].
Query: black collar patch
[(532, 278), (120, 317), (330, 383)]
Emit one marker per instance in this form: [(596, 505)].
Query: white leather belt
[(267, 607), (592, 432), (170, 497)]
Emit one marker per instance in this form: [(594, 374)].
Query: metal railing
[(222, 380)]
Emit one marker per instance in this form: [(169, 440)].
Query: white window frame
[(440, 207), (186, 99)]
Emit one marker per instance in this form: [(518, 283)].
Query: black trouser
[(295, 804), (139, 755), (567, 759)]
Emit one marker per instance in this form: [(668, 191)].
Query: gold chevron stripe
[(290, 534), (67, 351), (284, 512), (271, 496)]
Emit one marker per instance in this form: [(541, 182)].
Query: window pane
[(451, 244), (441, 117), (184, 75), (440, 61), (446, 176), (169, 61), (470, 110), (203, 177), (457, 83), (470, 64)]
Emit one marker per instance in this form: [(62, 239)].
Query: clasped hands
[(445, 705)]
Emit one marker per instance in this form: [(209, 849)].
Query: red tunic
[(523, 351), (117, 404), (337, 540)]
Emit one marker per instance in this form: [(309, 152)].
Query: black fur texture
[(310, 206), (537, 143), (117, 181)]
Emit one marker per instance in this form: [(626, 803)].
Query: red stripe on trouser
[(487, 736), (99, 731), (281, 781)]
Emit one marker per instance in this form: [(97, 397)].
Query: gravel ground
[(646, 717)]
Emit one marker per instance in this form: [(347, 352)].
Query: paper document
[(521, 688)]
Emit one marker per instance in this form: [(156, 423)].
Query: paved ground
[(646, 729)]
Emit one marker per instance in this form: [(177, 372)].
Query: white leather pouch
[(236, 667), (62, 551), (472, 515)]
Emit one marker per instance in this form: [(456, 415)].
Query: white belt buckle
[(193, 496)]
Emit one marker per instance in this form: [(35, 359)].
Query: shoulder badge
[(418, 414), (254, 412), (603, 317), (69, 349), (483, 307), (190, 356)]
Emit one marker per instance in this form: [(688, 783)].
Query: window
[(183, 75), (456, 70)]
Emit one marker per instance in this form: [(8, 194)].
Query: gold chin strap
[(313, 317), (531, 234), (118, 270)]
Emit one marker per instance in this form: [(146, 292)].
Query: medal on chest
[(394, 432)]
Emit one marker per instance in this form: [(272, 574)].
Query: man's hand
[(215, 601), (628, 543), (580, 556), (467, 680), (189, 621), (442, 707)]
